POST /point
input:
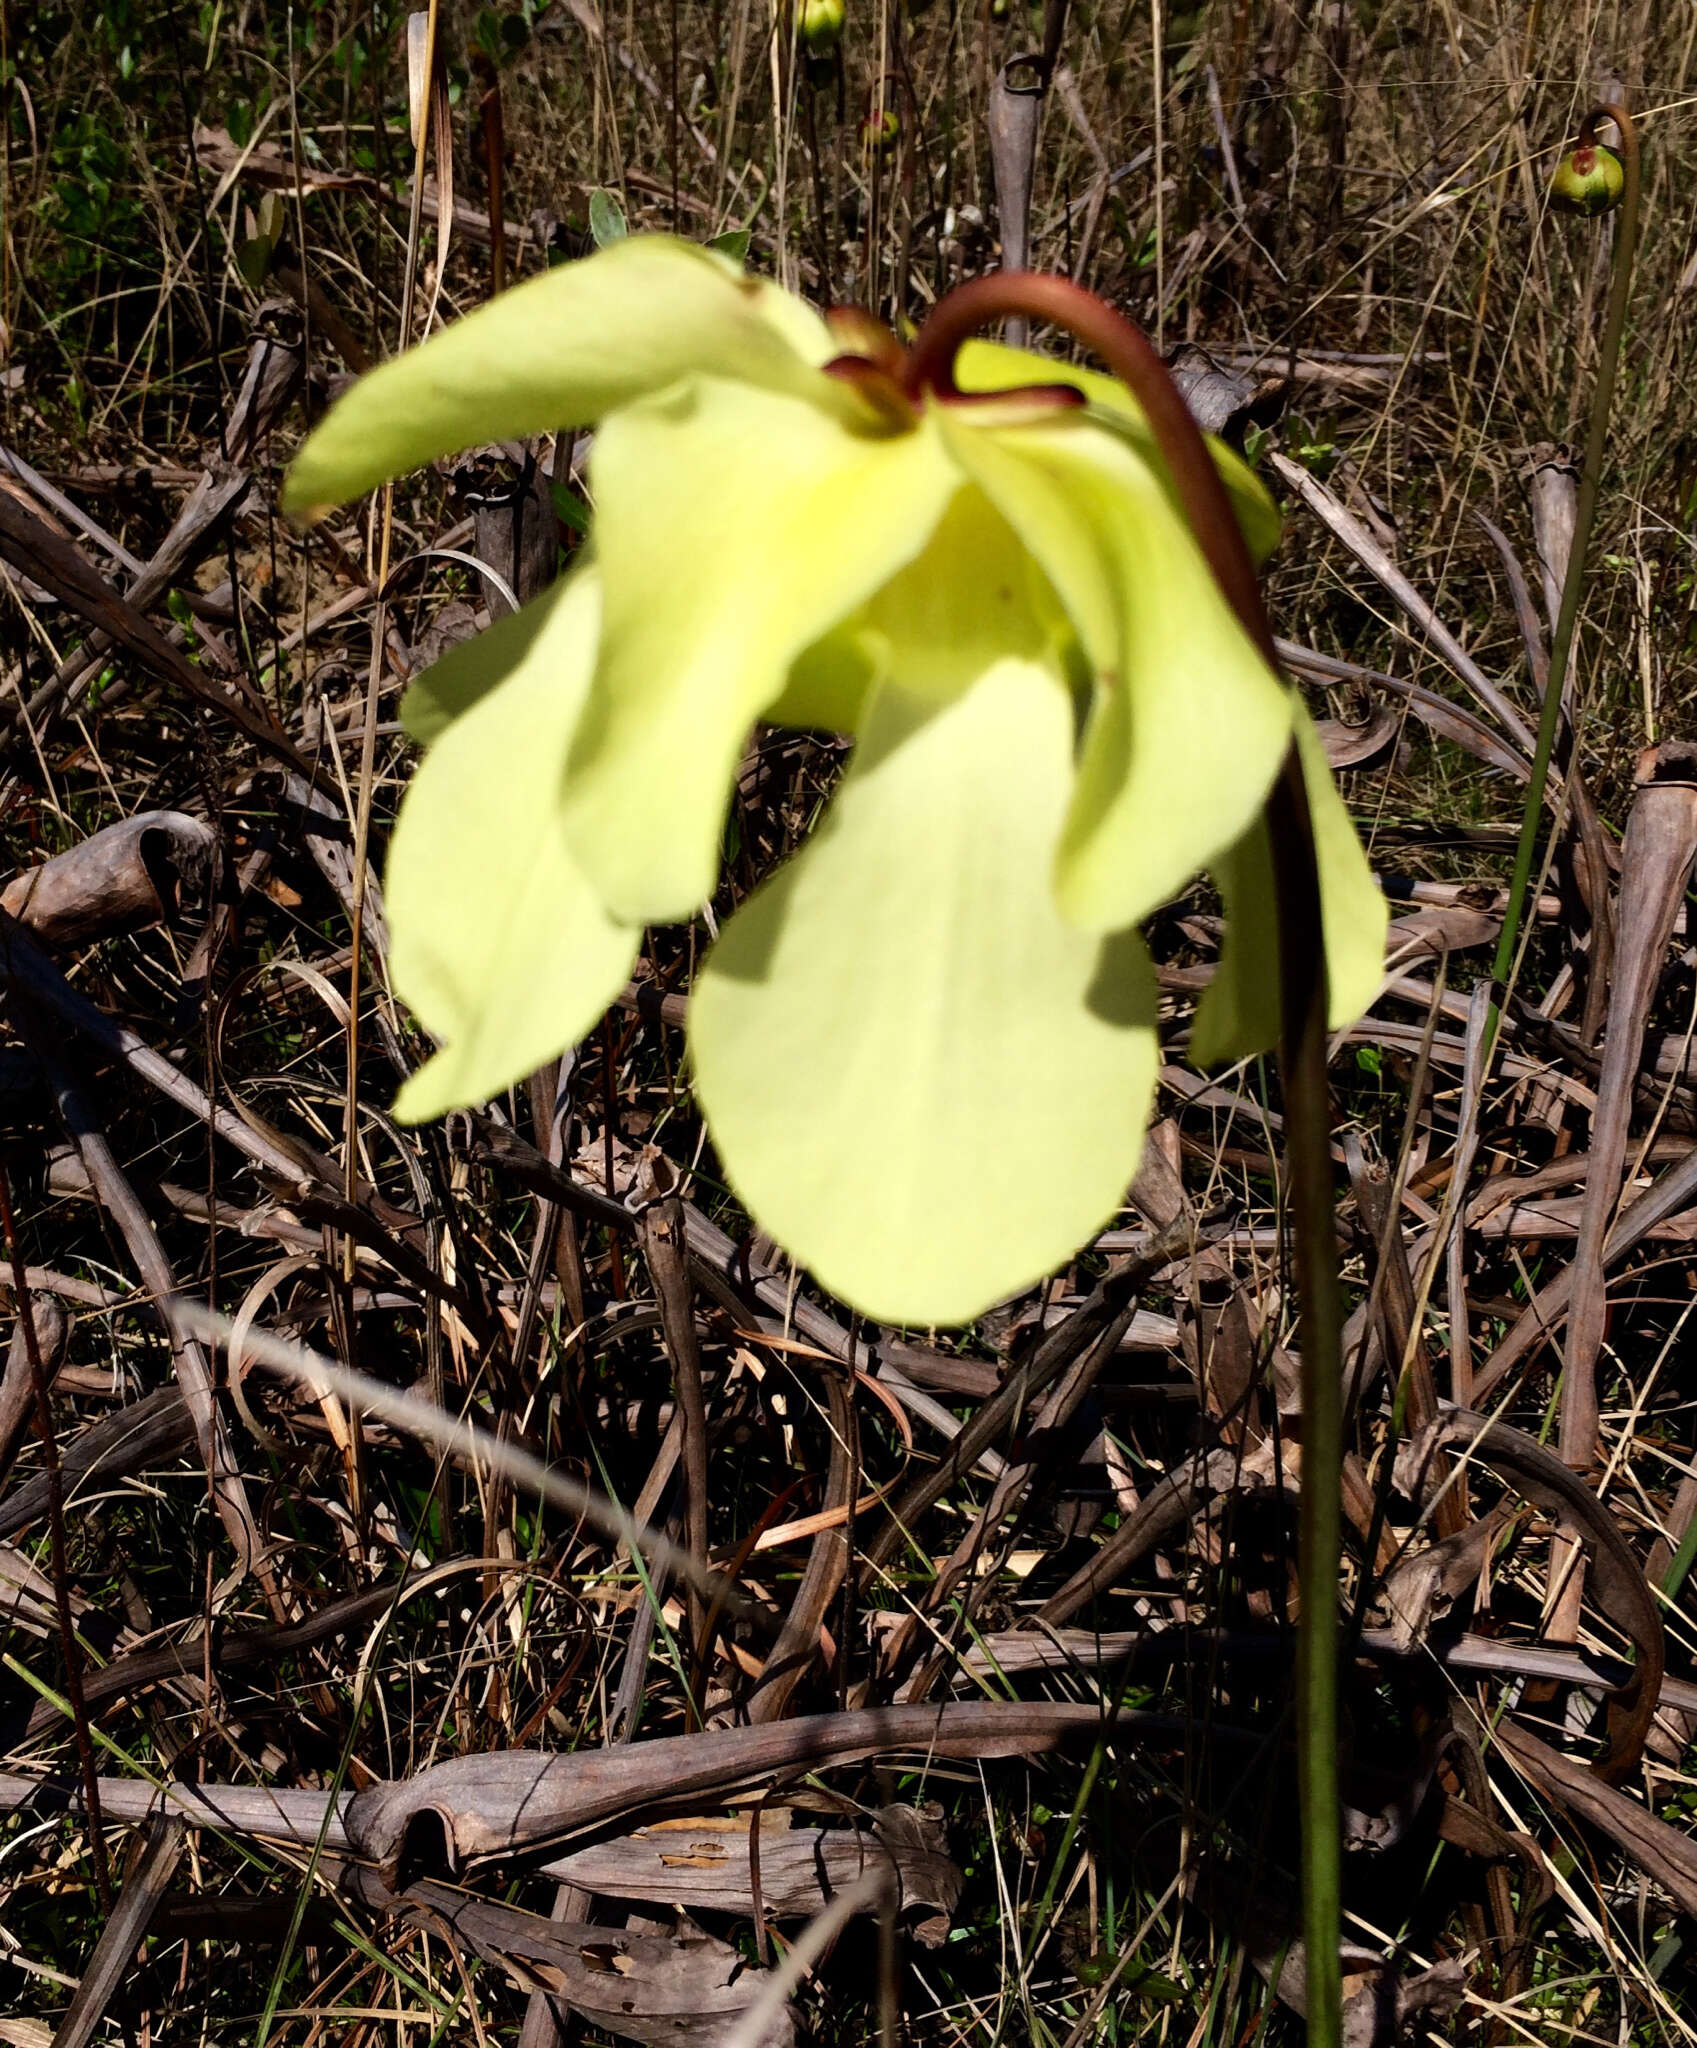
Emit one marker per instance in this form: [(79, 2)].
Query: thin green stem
[(1303, 1007), (1573, 584)]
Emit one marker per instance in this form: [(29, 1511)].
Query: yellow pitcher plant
[(926, 1048)]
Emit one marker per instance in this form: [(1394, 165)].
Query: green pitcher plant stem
[(926, 1048), (1585, 512)]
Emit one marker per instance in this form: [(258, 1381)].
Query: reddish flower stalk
[(1129, 354)]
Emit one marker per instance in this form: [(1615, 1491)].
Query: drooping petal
[(922, 1081), (975, 595), (499, 943), (561, 350), (734, 528), (992, 366), (1189, 724), (1239, 1012), (547, 632), (830, 682)]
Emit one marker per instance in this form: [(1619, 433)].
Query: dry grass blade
[(433, 1425)]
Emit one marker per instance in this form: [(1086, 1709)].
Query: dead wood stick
[(72, 513), (86, 1293), (1051, 1415), (1154, 1650), (215, 495), (651, 1986), (1395, 1297), (256, 1811), (131, 874), (1399, 1304), (1466, 1147), (545, 2020), (125, 1929), (1538, 1475), (29, 970), (329, 841), (512, 1801), (1450, 720), (827, 1567), (192, 1367), (275, 370), (719, 1268), (17, 1388), (229, 896), (53, 1486), (1664, 1853), (665, 1246), (556, 1226), (1593, 873), (1656, 858), (310, 1184), (1367, 551), (153, 1429), (1012, 120), (1110, 1306), (1552, 489), (136, 1671), (474, 1808), (801, 1868), (326, 320), (32, 546), (1166, 1506)]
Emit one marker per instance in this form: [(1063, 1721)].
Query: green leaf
[(1239, 1012), (920, 1080), (499, 944), (1189, 725), (569, 508), (732, 243), (561, 350), (253, 259), (991, 366), (606, 218), (734, 527)]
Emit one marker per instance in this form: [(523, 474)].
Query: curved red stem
[(1129, 354)]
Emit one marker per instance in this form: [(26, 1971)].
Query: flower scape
[(926, 1048)]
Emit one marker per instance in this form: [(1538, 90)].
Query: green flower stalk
[(926, 1048), (1584, 515)]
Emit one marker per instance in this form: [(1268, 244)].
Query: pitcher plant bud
[(1588, 180), (819, 24), (881, 130)]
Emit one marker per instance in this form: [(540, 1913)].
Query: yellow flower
[(926, 1048)]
